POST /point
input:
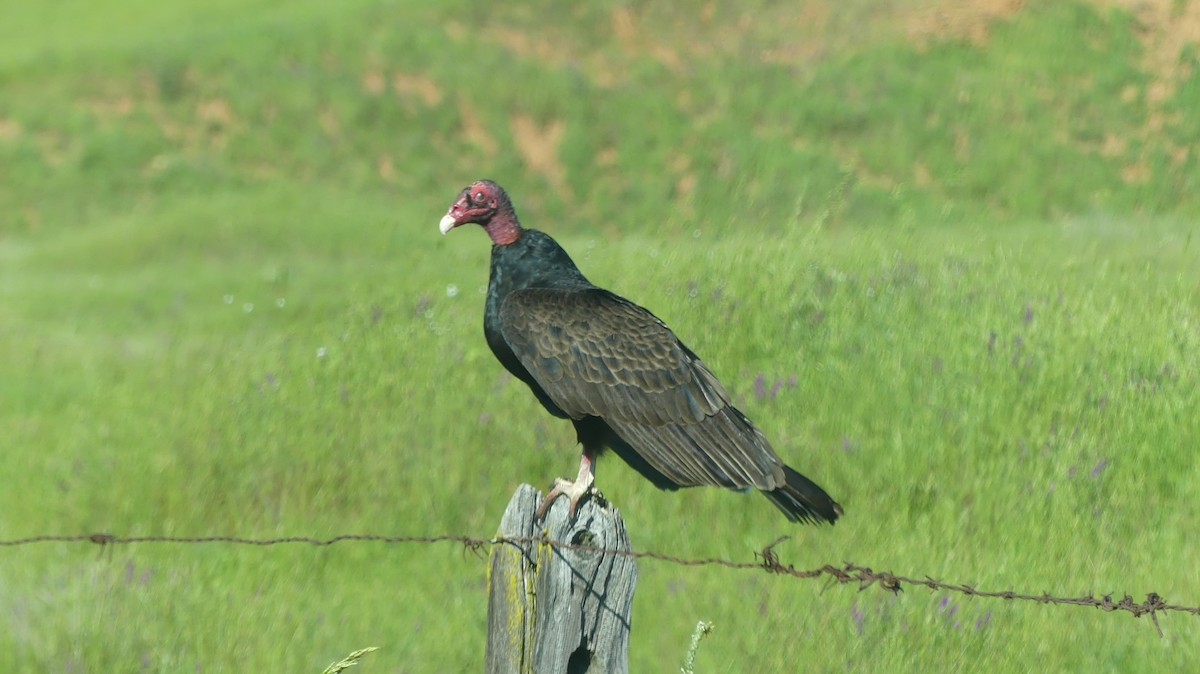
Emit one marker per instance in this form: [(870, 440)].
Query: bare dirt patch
[(970, 19), (538, 146), (373, 82), (419, 86), (9, 129), (1168, 26), (474, 131)]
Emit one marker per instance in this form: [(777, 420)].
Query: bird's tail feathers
[(801, 500)]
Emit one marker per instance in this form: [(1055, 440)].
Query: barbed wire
[(764, 560)]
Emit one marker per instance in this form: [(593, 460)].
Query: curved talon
[(575, 490)]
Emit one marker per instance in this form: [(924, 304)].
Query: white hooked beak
[(448, 223)]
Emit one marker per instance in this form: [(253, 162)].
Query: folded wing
[(598, 354)]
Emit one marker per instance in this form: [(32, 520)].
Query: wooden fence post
[(558, 611)]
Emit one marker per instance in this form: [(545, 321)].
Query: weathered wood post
[(554, 611)]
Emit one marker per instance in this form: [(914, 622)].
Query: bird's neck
[(535, 260), (504, 228)]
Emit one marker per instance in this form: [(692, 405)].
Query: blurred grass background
[(941, 252)]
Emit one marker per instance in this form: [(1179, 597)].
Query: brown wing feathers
[(597, 354)]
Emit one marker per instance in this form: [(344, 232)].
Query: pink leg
[(573, 490)]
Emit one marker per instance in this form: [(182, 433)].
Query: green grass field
[(954, 280)]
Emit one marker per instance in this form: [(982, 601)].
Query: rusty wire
[(848, 573)]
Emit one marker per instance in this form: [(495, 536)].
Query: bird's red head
[(484, 203)]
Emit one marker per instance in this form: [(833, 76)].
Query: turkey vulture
[(617, 372)]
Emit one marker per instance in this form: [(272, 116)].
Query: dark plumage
[(618, 372)]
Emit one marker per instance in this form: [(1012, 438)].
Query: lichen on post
[(559, 609)]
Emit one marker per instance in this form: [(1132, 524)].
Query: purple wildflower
[(1018, 344), (422, 304)]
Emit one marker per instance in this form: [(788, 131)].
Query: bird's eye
[(479, 196)]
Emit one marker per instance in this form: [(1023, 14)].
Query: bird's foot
[(573, 489)]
